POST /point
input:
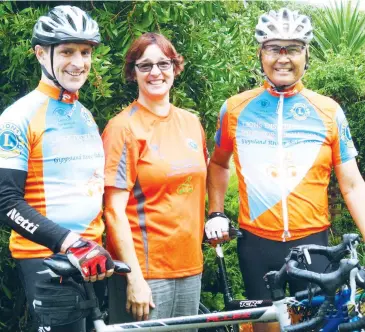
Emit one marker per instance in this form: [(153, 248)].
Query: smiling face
[(155, 84), (71, 64), (283, 69)]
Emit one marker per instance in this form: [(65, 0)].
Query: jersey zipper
[(282, 177)]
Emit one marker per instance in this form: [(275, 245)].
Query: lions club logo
[(300, 111), (11, 141)]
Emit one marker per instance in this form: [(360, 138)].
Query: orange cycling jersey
[(284, 146), (59, 146), (161, 161)]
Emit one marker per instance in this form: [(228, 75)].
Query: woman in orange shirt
[(155, 190)]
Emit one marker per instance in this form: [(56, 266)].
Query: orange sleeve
[(343, 148), (222, 138), (121, 156), (204, 144)]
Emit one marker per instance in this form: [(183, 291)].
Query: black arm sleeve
[(21, 217)]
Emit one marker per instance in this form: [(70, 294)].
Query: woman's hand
[(139, 299)]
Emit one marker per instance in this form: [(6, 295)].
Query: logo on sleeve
[(192, 144), (14, 215), (345, 134), (11, 141), (300, 111)]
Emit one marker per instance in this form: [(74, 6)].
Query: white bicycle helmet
[(284, 25), (65, 24)]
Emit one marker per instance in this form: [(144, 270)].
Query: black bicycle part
[(61, 266), (336, 253)]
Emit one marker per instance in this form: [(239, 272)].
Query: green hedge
[(216, 39)]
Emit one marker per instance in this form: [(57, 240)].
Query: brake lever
[(352, 248)]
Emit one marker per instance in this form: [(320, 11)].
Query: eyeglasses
[(276, 50), (146, 67)]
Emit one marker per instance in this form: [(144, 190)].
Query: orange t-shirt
[(161, 161)]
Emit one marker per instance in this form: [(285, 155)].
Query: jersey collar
[(54, 93), (287, 93), (138, 105)]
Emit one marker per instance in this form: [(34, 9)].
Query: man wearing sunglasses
[(285, 140)]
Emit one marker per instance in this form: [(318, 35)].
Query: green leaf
[(6, 291)]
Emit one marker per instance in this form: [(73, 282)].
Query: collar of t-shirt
[(54, 93), (138, 106), (287, 93)]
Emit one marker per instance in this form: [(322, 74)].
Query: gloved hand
[(92, 260), (217, 226)]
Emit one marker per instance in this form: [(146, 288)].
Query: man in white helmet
[(285, 140), (52, 160)]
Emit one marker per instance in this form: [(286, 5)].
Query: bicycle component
[(90, 258), (61, 266), (60, 302)]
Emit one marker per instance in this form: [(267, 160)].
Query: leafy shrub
[(216, 39)]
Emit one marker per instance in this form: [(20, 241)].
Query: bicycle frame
[(277, 312), (331, 322)]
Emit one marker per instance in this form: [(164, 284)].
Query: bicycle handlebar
[(336, 253), (61, 266), (352, 326), (328, 282), (232, 233), (360, 323)]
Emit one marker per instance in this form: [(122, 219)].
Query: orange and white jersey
[(161, 161), (59, 146), (284, 147)]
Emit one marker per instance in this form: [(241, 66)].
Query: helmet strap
[(53, 78), (262, 67), (306, 60)]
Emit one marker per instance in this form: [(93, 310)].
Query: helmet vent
[(285, 15), (46, 27), (272, 28), (84, 23), (65, 24), (284, 24), (70, 20), (260, 33), (55, 17)]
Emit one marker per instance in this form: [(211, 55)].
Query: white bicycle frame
[(277, 312)]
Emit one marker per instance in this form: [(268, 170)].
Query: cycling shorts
[(258, 255)]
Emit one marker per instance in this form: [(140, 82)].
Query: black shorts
[(27, 269), (257, 256)]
